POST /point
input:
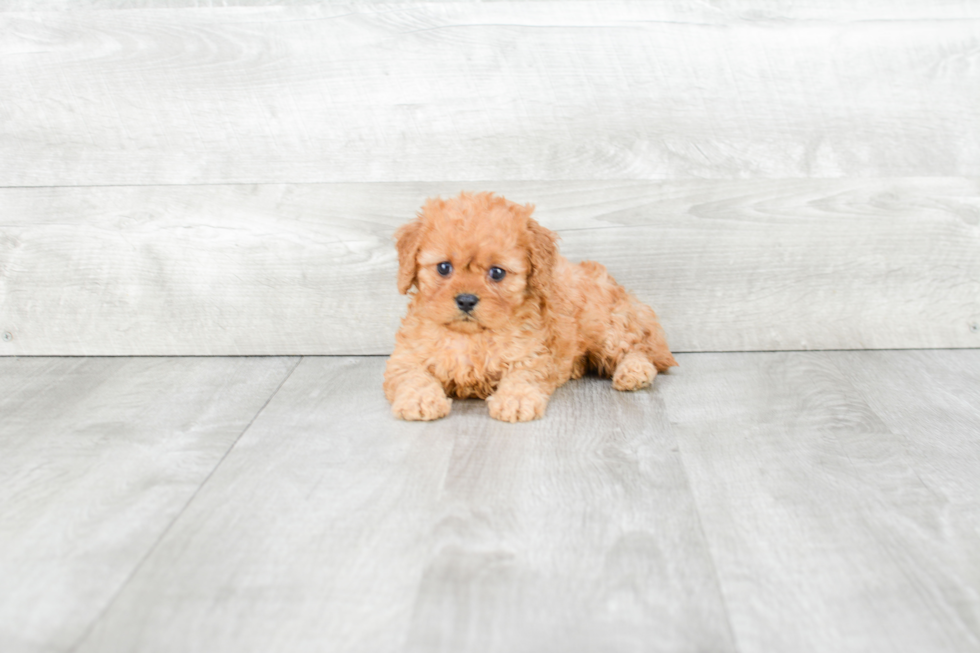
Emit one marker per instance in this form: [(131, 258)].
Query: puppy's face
[(475, 259)]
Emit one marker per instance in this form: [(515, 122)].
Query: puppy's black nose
[(467, 302)]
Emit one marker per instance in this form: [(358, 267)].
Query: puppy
[(500, 315)]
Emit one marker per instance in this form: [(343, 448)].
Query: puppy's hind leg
[(625, 339), (633, 372), (648, 354)]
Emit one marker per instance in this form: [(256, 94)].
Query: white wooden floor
[(750, 502)]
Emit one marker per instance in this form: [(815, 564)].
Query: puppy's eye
[(497, 273), (445, 268)]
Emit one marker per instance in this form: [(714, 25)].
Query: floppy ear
[(542, 254), (409, 238)]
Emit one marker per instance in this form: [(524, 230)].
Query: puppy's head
[(475, 259)]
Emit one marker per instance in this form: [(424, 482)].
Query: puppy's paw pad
[(521, 404), (633, 373), (421, 405)]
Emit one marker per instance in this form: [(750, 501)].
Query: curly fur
[(547, 321)]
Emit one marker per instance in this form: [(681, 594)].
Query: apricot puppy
[(500, 315)]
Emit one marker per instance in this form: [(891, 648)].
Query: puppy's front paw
[(518, 403), (633, 372), (424, 404)]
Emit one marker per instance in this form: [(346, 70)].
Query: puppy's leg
[(521, 396), (414, 394), (624, 336), (635, 366), (633, 372)]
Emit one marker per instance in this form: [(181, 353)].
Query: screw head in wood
[(7, 336)]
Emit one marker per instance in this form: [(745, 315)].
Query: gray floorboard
[(97, 457), (808, 470), (748, 502), (333, 526)]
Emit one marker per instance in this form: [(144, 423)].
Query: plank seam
[(685, 352), (704, 535), (499, 180), (163, 534)]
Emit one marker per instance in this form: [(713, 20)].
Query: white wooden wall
[(187, 179)]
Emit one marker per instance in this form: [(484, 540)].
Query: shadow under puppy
[(500, 315)]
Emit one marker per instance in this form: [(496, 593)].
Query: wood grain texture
[(97, 458), (690, 9), (474, 91), (838, 495), (819, 501), (332, 526), (310, 269), (931, 402)]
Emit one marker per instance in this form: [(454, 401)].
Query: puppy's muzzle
[(467, 302)]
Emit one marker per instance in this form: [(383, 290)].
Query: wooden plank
[(931, 401), (310, 269), (824, 531), (668, 9), (333, 526), (471, 91), (97, 458)]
